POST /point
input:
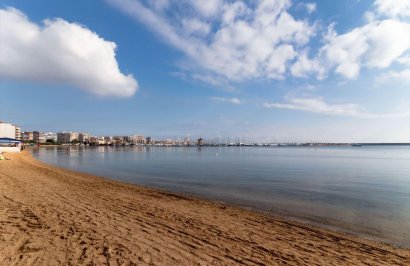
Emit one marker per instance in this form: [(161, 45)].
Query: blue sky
[(273, 69)]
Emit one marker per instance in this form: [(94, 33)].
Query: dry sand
[(51, 216)]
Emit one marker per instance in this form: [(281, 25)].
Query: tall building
[(38, 137), (200, 142), (18, 133), (27, 136), (63, 137), (137, 139), (50, 135), (7, 130), (148, 141), (83, 137), (73, 136), (66, 137)]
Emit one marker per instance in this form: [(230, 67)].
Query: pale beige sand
[(50, 216)]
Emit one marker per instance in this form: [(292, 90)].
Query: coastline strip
[(53, 216)]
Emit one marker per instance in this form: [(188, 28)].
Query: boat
[(356, 145)]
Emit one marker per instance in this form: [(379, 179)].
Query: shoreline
[(53, 215), (381, 231)]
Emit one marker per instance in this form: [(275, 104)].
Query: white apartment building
[(50, 135), (7, 130)]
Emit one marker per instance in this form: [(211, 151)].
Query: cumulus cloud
[(377, 44), (228, 100), (393, 8), (305, 66), (318, 105), (60, 52), (230, 40)]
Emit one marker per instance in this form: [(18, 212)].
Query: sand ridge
[(52, 216)]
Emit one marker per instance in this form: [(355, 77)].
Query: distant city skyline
[(67, 136), (326, 71)]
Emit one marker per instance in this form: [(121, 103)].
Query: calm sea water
[(364, 190)]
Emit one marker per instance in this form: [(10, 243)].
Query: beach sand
[(51, 216)]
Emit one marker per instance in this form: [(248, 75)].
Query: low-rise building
[(168, 142), (187, 141), (96, 140), (118, 140), (9, 145), (100, 140), (108, 140), (137, 139)]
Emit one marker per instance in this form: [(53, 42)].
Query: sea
[(363, 190)]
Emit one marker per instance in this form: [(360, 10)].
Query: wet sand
[(52, 216)]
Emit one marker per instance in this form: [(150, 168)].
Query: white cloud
[(60, 52), (375, 45), (195, 26), (345, 51), (393, 8), (235, 41), (304, 66), (404, 60), (387, 41), (401, 75), (310, 7), (207, 8), (230, 40), (318, 105), (369, 16), (229, 100)]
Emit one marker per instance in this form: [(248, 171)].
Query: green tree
[(50, 141)]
